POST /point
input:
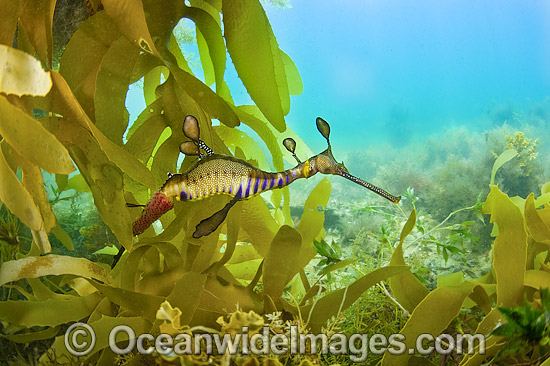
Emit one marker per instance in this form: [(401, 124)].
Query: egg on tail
[(245, 175), (157, 206)]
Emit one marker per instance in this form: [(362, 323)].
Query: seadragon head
[(325, 163)]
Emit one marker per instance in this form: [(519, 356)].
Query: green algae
[(245, 264)]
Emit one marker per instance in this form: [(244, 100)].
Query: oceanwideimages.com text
[(80, 340)]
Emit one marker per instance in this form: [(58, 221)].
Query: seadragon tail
[(157, 206)]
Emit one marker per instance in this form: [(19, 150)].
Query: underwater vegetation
[(73, 167), (215, 174)]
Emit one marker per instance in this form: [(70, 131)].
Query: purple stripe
[(256, 184), (183, 195), (287, 176), (230, 188), (264, 183), (272, 182), (247, 192), (240, 191), (280, 182)]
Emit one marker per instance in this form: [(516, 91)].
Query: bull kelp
[(74, 167)]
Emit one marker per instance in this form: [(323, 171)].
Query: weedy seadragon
[(216, 174)]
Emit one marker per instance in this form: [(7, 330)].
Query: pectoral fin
[(210, 224)]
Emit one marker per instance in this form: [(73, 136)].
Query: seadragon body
[(220, 174), (214, 174)]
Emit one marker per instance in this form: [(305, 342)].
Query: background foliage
[(65, 129)]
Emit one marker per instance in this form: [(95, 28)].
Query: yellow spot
[(307, 169)]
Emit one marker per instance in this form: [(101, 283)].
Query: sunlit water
[(393, 73), (383, 69)]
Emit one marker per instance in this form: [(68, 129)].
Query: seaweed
[(73, 124), (519, 269), (82, 136), (526, 329)]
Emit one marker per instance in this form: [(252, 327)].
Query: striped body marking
[(216, 174), (220, 174)]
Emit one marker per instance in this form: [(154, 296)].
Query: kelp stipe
[(220, 174)]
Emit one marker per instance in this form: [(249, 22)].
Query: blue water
[(384, 70), (395, 71)]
